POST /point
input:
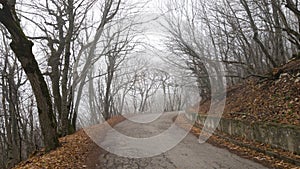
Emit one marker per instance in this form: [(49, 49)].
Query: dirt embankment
[(74, 152), (274, 99)]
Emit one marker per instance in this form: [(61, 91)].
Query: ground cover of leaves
[(255, 99), (242, 151), (275, 99), (72, 153)]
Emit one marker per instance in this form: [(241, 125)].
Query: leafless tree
[(17, 130), (22, 48), (88, 50), (59, 23), (249, 37)]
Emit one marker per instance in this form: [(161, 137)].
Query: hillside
[(74, 152), (275, 98)]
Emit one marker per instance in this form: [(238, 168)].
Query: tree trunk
[(22, 48), (67, 128), (256, 34), (107, 102), (279, 47)]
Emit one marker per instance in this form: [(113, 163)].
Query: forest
[(65, 65)]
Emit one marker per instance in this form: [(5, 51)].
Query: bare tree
[(22, 48), (250, 38), (109, 11), (116, 41), (59, 24)]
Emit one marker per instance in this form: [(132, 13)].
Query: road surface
[(188, 154)]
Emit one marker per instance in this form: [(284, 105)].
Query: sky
[(154, 33)]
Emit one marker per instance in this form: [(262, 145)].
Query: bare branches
[(249, 38), (292, 6), (22, 48), (255, 31)]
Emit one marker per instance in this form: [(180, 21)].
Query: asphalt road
[(187, 154)]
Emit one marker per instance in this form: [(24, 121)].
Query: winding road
[(187, 154)]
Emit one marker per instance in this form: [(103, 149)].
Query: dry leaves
[(72, 154), (220, 141), (267, 100)]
